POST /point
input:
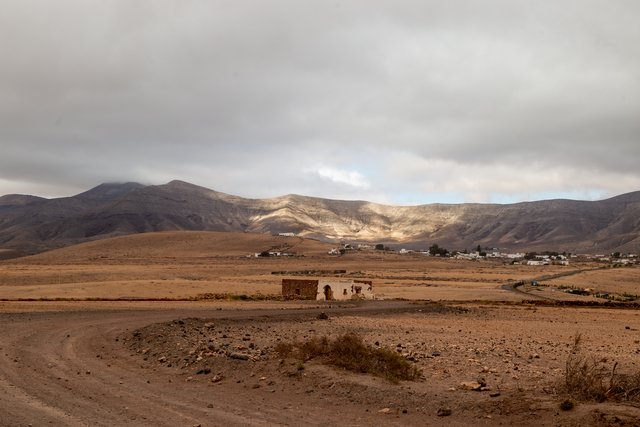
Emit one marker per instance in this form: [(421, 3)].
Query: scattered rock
[(444, 412), (323, 316), (567, 405), (385, 411), (471, 385), (239, 356)]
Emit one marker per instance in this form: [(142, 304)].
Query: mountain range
[(30, 224)]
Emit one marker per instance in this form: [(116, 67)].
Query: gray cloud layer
[(398, 101)]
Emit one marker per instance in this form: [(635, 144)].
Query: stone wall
[(299, 288), (327, 289)]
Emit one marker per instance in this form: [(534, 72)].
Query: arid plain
[(181, 328)]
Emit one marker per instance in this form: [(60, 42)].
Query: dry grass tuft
[(587, 378), (348, 351)]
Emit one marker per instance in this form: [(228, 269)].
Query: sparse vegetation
[(348, 351), (587, 378), (236, 297), (436, 250), (629, 297)]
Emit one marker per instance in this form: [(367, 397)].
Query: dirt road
[(68, 364), (70, 368)]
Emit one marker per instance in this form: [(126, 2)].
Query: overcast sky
[(401, 102)]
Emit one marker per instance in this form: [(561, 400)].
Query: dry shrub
[(348, 351), (587, 378), (304, 351), (284, 349)]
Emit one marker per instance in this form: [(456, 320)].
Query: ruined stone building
[(327, 289)]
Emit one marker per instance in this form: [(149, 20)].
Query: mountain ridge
[(30, 224)]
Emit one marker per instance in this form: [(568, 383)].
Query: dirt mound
[(469, 376)]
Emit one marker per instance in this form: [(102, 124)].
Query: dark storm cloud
[(399, 101)]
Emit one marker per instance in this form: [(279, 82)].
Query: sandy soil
[(117, 362), (616, 281), (102, 365), (187, 264)]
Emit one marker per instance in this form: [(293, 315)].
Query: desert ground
[(183, 329)]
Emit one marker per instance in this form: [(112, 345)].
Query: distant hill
[(176, 245), (30, 224), (11, 200)]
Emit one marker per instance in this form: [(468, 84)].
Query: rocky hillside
[(30, 224)]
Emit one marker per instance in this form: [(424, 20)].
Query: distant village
[(339, 288), (479, 254), (522, 258)]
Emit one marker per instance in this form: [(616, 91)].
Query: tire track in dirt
[(53, 372), (68, 368)]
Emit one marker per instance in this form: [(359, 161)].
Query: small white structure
[(329, 289), (341, 289), (517, 255), (469, 256)]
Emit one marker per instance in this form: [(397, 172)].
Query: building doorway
[(328, 293)]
